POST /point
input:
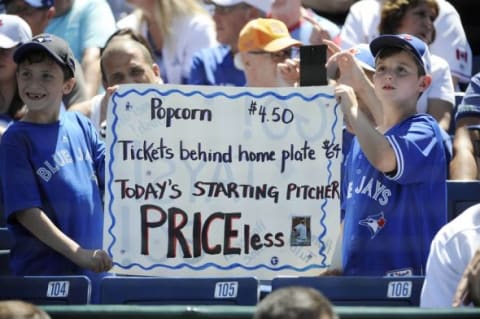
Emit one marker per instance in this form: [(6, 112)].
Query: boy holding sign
[(52, 171), (395, 174)]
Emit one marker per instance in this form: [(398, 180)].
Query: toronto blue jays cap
[(412, 44), (55, 47)]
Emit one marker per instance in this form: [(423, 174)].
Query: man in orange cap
[(265, 54)]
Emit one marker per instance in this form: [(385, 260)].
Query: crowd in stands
[(395, 65)]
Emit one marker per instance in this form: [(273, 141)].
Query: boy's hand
[(468, 289), (96, 260), (351, 73), (347, 99)]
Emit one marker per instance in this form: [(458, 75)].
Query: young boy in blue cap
[(395, 196), (52, 171)]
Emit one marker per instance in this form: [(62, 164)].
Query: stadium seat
[(46, 290), (361, 291), (179, 291), (460, 196)]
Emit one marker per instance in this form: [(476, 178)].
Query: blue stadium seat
[(46, 290), (460, 196), (361, 291), (179, 291), (6, 240)]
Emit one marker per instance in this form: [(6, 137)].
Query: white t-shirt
[(451, 250), (361, 26), (441, 87)]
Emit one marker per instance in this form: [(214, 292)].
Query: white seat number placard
[(399, 289), (58, 289), (226, 289)]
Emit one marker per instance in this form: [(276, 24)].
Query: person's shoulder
[(467, 221), (446, 8), (75, 117)]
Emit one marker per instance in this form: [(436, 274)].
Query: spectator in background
[(416, 17), (37, 14), (126, 58), (453, 248), (295, 303), (86, 26), (215, 66), (13, 32), (263, 44), (175, 30), (361, 26), (466, 142), (293, 15)]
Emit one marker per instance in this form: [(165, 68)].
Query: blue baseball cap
[(412, 44)]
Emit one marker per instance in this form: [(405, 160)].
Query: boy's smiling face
[(397, 79), (41, 86)]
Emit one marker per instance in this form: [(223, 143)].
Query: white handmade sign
[(222, 181)]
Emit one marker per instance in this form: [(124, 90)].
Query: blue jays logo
[(375, 223), (42, 38)]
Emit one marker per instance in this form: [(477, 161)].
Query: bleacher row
[(135, 290)]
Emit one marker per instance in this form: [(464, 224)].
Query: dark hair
[(393, 12), (39, 55), (294, 303), (389, 51), (129, 34)]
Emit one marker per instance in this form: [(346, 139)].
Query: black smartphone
[(312, 65)]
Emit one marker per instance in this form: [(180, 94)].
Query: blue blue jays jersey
[(60, 168), (215, 66), (390, 219)]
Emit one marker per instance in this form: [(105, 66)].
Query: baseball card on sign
[(222, 181)]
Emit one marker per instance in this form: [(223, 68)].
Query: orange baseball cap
[(270, 35)]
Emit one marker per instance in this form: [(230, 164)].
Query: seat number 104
[(58, 289)]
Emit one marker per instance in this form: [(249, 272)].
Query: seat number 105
[(226, 289)]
